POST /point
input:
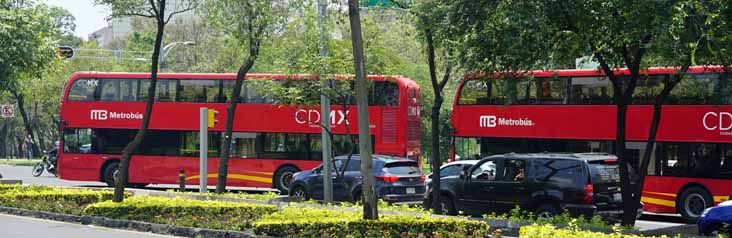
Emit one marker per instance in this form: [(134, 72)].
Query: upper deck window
[(381, 93)]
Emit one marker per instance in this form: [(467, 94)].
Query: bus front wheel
[(282, 178), (692, 202), (110, 173)]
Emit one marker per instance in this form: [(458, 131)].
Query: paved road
[(22, 227), (653, 221)]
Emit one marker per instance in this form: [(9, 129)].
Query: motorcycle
[(45, 164)]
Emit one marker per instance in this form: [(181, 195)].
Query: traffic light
[(65, 52), (212, 117)]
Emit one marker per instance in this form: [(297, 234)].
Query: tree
[(618, 34), (432, 20), (251, 21), (25, 34), (155, 9), (364, 139)]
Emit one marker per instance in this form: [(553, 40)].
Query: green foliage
[(253, 196), (549, 231), (516, 214), (183, 212), (69, 201), (310, 222)]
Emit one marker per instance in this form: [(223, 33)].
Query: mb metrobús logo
[(102, 115), (489, 121)]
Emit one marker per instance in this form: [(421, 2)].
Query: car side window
[(452, 170), (485, 171), (514, 170)]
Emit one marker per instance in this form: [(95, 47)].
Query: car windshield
[(402, 168), (604, 171)]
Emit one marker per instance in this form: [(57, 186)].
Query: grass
[(20, 162)]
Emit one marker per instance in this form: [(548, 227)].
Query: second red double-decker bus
[(101, 112), (573, 111)]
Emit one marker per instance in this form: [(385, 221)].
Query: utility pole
[(325, 108)]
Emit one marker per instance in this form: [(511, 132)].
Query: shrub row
[(68, 201), (311, 222), (183, 212), (549, 231)]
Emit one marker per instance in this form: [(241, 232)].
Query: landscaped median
[(550, 231), (313, 222), (247, 218), (49, 199)]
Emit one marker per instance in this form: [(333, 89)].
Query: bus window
[(695, 89), (198, 91), (590, 91), (481, 92), (77, 141), (83, 90), (110, 90), (128, 89), (165, 92), (384, 93), (244, 145), (701, 160)]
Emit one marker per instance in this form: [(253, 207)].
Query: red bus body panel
[(388, 126)]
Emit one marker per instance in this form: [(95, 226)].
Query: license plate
[(617, 197), (411, 190)]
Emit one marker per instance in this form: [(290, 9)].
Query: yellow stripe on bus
[(662, 194), (237, 176), (657, 201)]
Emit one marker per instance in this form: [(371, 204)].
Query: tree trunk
[(121, 181), (437, 87), (629, 212), (230, 113), (37, 125), (26, 122), (364, 137)]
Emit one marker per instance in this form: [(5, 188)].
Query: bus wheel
[(282, 178), (110, 173), (692, 203)]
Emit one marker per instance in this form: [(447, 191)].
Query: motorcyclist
[(53, 155)]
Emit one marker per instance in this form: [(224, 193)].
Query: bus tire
[(692, 202), (109, 171), (282, 178)]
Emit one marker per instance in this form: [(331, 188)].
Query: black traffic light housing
[(65, 52)]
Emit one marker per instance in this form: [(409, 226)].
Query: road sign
[(8, 111)]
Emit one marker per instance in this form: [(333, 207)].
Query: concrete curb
[(131, 225)]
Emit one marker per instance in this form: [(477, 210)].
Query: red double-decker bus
[(101, 112), (573, 111)]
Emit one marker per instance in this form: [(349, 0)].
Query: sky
[(89, 17)]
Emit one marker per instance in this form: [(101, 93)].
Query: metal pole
[(325, 122), (325, 109), (203, 148)]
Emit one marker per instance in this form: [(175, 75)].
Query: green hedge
[(183, 212), (69, 201), (311, 222), (549, 231)]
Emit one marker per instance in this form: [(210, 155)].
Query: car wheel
[(547, 211), (447, 206), (299, 191), (282, 178), (692, 203), (111, 173)]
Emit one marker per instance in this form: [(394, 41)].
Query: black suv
[(547, 183)]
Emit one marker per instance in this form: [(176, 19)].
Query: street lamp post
[(167, 48)]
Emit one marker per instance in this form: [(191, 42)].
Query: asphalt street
[(24, 227), (647, 221)]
